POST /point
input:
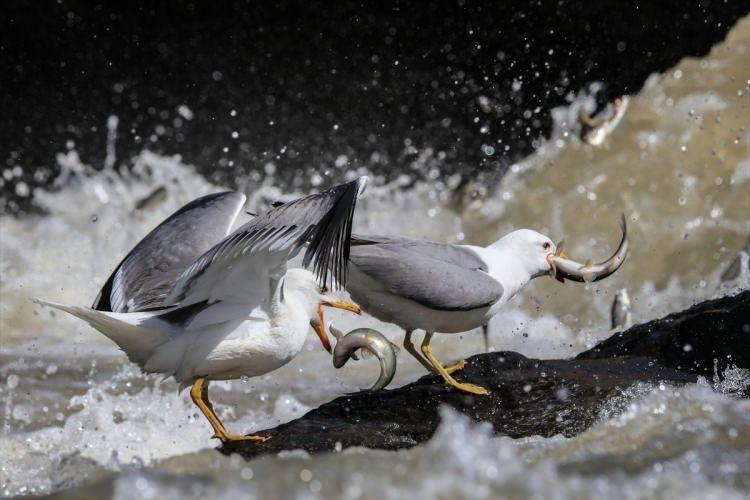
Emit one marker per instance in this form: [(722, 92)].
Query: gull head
[(312, 297), (531, 250)]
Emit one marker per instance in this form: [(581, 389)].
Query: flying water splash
[(689, 218)]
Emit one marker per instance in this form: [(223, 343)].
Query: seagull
[(196, 303), (439, 287)]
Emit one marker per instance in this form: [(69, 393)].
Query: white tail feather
[(132, 332)]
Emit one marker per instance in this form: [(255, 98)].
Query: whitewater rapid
[(74, 413)]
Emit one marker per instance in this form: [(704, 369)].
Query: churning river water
[(76, 418)]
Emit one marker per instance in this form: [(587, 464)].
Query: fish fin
[(559, 246), (337, 334)]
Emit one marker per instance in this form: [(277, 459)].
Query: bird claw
[(231, 438), (459, 365), (471, 389)]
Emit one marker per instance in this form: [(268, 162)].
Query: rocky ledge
[(529, 396)]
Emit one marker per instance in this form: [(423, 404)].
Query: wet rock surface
[(529, 396)]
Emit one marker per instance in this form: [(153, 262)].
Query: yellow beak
[(343, 304), (552, 267), (319, 324)]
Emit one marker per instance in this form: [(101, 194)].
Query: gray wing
[(437, 275), (321, 221), (145, 276)]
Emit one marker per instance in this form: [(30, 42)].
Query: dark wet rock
[(705, 339), (529, 396)]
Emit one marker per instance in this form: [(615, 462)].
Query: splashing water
[(75, 414)]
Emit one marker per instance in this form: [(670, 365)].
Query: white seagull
[(196, 303), (438, 287)]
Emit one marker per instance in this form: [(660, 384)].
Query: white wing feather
[(247, 265)]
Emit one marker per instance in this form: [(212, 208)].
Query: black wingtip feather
[(328, 249)]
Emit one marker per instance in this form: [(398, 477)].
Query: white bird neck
[(506, 266), (290, 322), (292, 305)]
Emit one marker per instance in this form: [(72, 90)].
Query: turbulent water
[(75, 414)]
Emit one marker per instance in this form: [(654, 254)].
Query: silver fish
[(152, 200), (562, 267), (735, 268), (622, 317), (366, 340), (595, 130)]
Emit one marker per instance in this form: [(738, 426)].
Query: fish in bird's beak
[(562, 267), (550, 260), (318, 324)]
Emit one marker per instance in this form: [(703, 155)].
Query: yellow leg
[(470, 388), (455, 366), (409, 346), (199, 394)]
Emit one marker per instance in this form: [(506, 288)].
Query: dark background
[(303, 83)]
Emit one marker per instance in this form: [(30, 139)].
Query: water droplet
[(247, 473), (22, 189), (683, 149), (94, 218), (12, 381)]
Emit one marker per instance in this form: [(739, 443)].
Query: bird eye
[(546, 245)]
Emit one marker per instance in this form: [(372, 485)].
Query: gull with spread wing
[(196, 303)]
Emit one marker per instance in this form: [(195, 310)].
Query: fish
[(595, 130), (152, 200), (369, 342), (622, 317), (734, 269), (562, 267), (467, 196)]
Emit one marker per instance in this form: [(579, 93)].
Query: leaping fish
[(622, 317), (596, 129), (367, 341)]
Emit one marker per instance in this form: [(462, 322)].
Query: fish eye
[(546, 245)]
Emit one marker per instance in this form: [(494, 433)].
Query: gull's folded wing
[(145, 276), (436, 275), (248, 263)]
